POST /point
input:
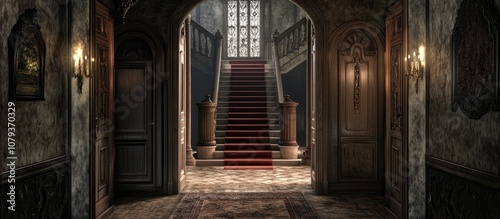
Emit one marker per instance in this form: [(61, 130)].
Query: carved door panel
[(137, 166), (359, 154), (396, 153), (103, 150)]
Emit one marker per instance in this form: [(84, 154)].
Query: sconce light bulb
[(85, 57), (92, 60)]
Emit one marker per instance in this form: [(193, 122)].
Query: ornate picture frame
[(26, 59), (475, 59)]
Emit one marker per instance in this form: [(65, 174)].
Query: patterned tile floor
[(281, 178)]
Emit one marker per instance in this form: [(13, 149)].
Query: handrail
[(210, 46), (277, 72), (218, 62), (292, 38), (287, 42), (203, 41)]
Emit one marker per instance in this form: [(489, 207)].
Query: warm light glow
[(413, 66), (421, 52), (80, 68)]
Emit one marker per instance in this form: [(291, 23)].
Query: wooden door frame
[(149, 35), (92, 122)]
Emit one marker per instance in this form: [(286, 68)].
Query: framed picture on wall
[(26, 59)]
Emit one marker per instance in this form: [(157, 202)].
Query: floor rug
[(244, 205)]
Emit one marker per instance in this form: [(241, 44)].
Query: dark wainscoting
[(455, 191), (42, 190)]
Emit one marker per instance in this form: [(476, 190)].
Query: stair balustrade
[(206, 48), (289, 50)]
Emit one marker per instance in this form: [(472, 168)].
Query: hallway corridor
[(216, 179)]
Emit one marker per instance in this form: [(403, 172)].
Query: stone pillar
[(288, 143), (190, 161), (206, 129)]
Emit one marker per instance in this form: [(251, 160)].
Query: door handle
[(152, 123)]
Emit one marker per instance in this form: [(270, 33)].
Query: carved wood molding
[(450, 195), (357, 89), (44, 195), (467, 173), (396, 90), (475, 59), (358, 37), (123, 7)]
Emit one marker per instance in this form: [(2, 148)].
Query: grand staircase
[(247, 115)]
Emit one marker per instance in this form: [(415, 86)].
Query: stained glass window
[(243, 32)]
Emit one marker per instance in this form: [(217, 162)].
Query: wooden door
[(396, 150), (102, 108), (358, 162), (137, 166)]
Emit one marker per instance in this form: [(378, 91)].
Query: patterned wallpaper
[(40, 125), (453, 136)]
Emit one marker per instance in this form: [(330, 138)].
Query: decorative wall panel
[(475, 59), (358, 85), (358, 161), (451, 196), (44, 195)]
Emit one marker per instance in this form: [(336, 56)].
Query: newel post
[(206, 129), (288, 143)]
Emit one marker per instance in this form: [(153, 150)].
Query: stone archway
[(175, 166)]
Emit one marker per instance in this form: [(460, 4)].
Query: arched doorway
[(179, 109), (183, 89)]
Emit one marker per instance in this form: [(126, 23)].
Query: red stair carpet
[(247, 142)]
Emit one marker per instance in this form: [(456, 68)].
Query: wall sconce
[(80, 68), (413, 66)]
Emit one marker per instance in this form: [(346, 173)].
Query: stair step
[(247, 82), (246, 127), (246, 133), (255, 132), (246, 115), (247, 121), (251, 139), (247, 98), (247, 146), (247, 109), (274, 154), (247, 154), (244, 77), (246, 61), (276, 162), (254, 104), (248, 87)]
